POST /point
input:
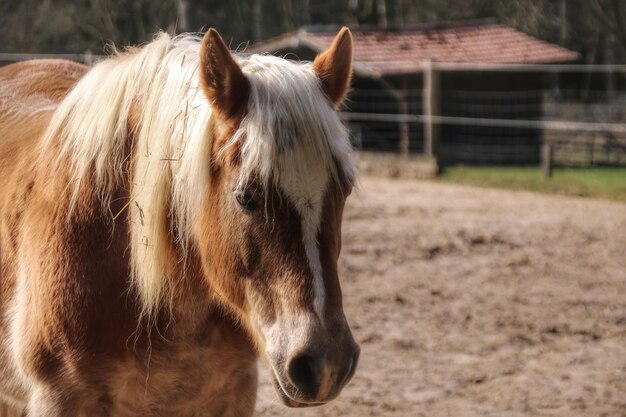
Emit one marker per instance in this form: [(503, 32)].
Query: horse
[(169, 218)]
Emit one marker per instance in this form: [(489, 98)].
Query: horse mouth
[(290, 402)]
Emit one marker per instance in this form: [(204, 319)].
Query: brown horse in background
[(166, 218)]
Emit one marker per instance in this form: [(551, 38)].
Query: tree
[(594, 27)]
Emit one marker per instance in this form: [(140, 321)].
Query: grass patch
[(609, 183)]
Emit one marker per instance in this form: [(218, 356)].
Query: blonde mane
[(289, 122)]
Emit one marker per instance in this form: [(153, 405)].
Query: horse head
[(269, 230)]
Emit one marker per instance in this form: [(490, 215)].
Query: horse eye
[(246, 200)]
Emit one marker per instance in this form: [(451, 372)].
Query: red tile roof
[(402, 51)]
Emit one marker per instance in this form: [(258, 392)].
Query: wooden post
[(88, 58), (404, 127), (546, 160), (403, 109), (431, 103), (182, 10)]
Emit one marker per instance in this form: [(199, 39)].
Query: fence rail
[(573, 143), (579, 110), (481, 121), (497, 114)]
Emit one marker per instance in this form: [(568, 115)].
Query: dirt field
[(472, 302)]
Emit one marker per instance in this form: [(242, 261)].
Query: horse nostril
[(304, 371)]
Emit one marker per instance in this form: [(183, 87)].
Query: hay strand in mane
[(289, 129)]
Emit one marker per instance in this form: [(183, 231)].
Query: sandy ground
[(472, 302)]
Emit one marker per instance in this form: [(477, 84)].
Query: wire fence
[(376, 119), (502, 116), (487, 114)]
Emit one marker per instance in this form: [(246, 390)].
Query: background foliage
[(596, 28)]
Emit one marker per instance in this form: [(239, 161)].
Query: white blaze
[(293, 137), (305, 183)]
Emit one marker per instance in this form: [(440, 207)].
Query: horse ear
[(334, 67), (221, 77)]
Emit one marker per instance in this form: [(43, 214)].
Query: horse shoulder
[(29, 92)]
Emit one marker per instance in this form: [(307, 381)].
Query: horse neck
[(191, 308)]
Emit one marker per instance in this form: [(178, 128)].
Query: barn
[(410, 83)]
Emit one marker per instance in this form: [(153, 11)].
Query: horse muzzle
[(312, 377)]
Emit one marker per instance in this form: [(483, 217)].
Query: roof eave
[(293, 41), (301, 40)]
